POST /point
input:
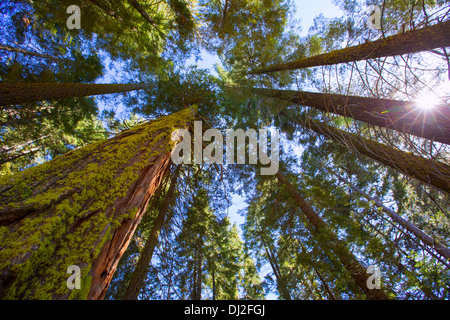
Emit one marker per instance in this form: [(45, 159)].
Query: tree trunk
[(17, 93), (137, 280), (429, 241), (197, 272), (81, 209), (332, 242), (139, 8), (386, 113), (281, 282), (427, 38), (30, 53), (428, 171)]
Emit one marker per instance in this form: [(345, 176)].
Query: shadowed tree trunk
[(428, 171), (332, 242), (427, 38), (81, 209), (402, 116), (17, 93)]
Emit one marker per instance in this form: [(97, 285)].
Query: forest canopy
[(98, 202)]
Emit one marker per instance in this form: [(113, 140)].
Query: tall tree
[(137, 279), (81, 209), (402, 116), (356, 270), (17, 93), (423, 39), (426, 170)]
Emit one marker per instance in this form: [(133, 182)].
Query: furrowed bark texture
[(427, 38), (137, 280), (428, 171), (17, 93), (332, 242), (399, 115), (81, 209)]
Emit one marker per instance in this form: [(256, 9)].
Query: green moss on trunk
[(62, 212)]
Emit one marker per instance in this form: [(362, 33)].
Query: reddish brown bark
[(427, 38), (428, 171), (399, 115)]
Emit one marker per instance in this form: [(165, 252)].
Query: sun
[(426, 100)]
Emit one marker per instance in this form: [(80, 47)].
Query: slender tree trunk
[(400, 267), (139, 8), (137, 280), (281, 282), (324, 283), (386, 113), (427, 38), (428, 171), (429, 241), (197, 273), (349, 261), (80, 209), (17, 93), (30, 53)]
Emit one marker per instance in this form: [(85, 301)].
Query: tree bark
[(17, 93), (427, 38), (137, 280), (81, 209), (428, 171), (332, 242), (394, 114)]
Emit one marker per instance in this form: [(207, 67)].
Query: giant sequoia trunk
[(17, 93), (332, 242), (428, 171), (394, 114), (81, 209), (427, 38), (137, 280)]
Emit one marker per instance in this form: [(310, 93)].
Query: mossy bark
[(332, 242), (399, 115), (429, 171), (82, 209), (427, 38), (17, 93)]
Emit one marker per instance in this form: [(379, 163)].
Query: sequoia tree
[(402, 116), (427, 38), (17, 93), (356, 270), (80, 209)]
